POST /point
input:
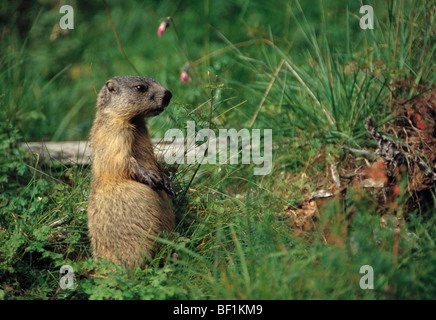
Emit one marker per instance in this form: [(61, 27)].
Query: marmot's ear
[(112, 86)]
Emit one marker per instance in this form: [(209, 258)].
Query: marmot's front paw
[(168, 186), (149, 177)]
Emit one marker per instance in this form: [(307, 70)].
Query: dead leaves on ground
[(399, 175)]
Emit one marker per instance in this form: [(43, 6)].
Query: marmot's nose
[(167, 97)]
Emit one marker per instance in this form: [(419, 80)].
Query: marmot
[(129, 201)]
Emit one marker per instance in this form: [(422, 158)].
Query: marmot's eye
[(141, 88)]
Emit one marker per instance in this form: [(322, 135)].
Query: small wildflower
[(161, 29), (163, 26), (184, 76), (396, 190)]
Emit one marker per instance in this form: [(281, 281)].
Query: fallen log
[(79, 152)]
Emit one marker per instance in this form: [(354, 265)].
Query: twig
[(208, 137), (412, 17), (180, 41), (335, 175), (235, 106), (390, 150), (276, 72), (90, 77), (297, 76), (117, 38), (396, 31), (364, 153), (328, 115), (387, 148), (231, 47), (60, 221)]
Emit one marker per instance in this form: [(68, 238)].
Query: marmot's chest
[(144, 154)]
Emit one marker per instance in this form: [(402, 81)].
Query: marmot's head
[(132, 96)]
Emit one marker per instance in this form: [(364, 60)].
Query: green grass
[(232, 240)]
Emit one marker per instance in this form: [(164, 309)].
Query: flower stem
[(180, 41), (117, 38)]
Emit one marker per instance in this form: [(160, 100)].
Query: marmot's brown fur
[(129, 202)]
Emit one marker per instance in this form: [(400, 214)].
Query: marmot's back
[(128, 201)]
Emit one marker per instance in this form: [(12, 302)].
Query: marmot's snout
[(167, 97), (161, 99)]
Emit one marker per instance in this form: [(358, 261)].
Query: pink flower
[(184, 76), (163, 25)]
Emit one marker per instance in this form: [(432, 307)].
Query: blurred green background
[(52, 73)]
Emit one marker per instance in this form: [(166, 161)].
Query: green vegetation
[(307, 71)]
